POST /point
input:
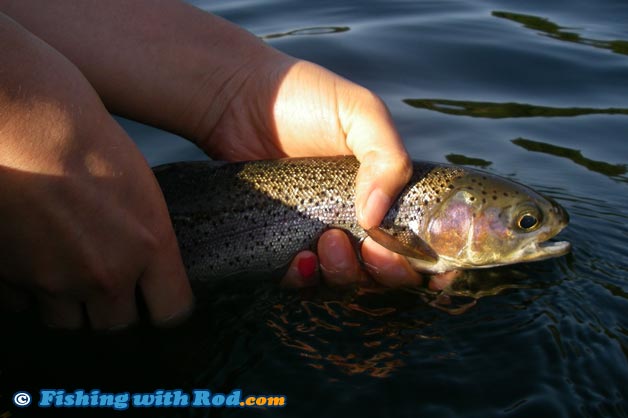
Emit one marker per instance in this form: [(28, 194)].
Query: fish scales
[(255, 216), (227, 215)]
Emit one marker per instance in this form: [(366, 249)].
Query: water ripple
[(496, 110), (555, 31), (611, 170), (317, 30)]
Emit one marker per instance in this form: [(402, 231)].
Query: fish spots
[(250, 217)]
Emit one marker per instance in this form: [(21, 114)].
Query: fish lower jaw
[(533, 252), (544, 250)]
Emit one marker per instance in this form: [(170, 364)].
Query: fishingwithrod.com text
[(160, 398)]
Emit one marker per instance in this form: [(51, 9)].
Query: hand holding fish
[(85, 224), (305, 110)]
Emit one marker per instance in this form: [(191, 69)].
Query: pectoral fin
[(405, 243)]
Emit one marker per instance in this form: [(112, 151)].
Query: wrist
[(244, 107), (242, 73)]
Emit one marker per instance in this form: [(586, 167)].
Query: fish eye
[(528, 222)]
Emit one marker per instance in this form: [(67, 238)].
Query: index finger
[(165, 286)]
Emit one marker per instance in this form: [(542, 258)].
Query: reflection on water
[(464, 160), (505, 110), (369, 330), (556, 31), (319, 30), (361, 334), (576, 156)]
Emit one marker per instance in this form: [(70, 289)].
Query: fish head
[(486, 221)]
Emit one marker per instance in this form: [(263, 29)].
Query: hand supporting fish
[(253, 217)]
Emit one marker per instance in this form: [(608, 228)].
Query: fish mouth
[(543, 250), (555, 248)]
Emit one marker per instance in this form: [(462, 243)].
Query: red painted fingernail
[(307, 266)]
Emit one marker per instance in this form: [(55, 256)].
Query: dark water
[(534, 90)]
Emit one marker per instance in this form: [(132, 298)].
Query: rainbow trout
[(233, 218)]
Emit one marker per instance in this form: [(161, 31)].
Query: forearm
[(84, 224), (41, 95), (158, 61)]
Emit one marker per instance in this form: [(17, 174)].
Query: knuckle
[(162, 241), (103, 280), (152, 237), (404, 167), (106, 276), (375, 102), (150, 242)]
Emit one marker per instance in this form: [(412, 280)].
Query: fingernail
[(119, 328), (177, 318), (302, 271), (307, 266), (375, 209), (336, 256)]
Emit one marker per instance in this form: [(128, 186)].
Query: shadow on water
[(316, 30), (464, 160), (506, 110), (611, 170), (555, 31)]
